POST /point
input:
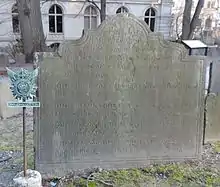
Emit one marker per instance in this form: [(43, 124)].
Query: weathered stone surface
[(215, 85), (33, 179), (213, 118), (119, 97)]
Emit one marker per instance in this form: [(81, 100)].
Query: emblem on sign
[(23, 87)]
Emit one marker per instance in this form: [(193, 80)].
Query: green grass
[(181, 175), (10, 148)]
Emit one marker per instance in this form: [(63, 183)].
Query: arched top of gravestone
[(125, 19), (129, 27)]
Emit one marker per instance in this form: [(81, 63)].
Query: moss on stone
[(168, 175), (216, 147)]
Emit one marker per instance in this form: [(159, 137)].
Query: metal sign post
[(23, 87)]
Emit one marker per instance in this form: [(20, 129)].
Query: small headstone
[(119, 97), (3, 60), (5, 96)]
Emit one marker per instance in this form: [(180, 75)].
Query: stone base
[(33, 179)]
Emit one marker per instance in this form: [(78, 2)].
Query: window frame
[(150, 17), (55, 15), (90, 17)]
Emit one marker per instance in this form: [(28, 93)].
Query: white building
[(66, 19)]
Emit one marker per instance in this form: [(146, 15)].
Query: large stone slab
[(119, 97)]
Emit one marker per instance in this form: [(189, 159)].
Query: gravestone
[(215, 84), (213, 118), (118, 97)]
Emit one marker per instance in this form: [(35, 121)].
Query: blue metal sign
[(23, 87)]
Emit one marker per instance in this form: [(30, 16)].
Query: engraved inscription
[(118, 97)]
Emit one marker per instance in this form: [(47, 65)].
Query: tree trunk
[(186, 19), (31, 27), (103, 10), (195, 18), (25, 28), (37, 27)]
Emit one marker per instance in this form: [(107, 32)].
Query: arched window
[(54, 46), (90, 18), (122, 10), (15, 19), (150, 18), (55, 19)]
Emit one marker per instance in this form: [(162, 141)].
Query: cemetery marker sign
[(119, 97), (23, 87)]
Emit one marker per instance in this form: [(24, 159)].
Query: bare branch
[(14, 48), (195, 18), (92, 2), (80, 10)]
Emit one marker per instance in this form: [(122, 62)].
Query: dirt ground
[(11, 146)]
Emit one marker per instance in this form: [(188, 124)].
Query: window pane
[(52, 23), (87, 12), (124, 10), (152, 12), (213, 4), (59, 24), (93, 11), (15, 24), (52, 10), (93, 22), (15, 9), (152, 24), (58, 10), (86, 22), (209, 4), (147, 13), (146, 20), (118, 11)]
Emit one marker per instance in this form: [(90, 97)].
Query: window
[(209, 4), (208, 23), (15, 19), (213, 4), (199, 23), (122, 10), (55, 19), (54, 46), (90, 18), (150, 18)]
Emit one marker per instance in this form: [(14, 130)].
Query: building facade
[(66, 19)]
